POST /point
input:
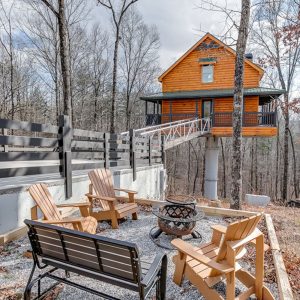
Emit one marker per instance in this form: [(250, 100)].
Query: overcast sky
[(179, 22)]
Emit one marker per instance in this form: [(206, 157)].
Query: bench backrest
[(112, 258), (102, 182)]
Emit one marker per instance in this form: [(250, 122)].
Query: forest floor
[(286, 221)]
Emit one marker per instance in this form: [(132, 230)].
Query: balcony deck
[(255, 124)]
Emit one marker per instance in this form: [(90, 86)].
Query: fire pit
[(177, 218)]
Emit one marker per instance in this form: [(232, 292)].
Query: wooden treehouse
[(200, 84)]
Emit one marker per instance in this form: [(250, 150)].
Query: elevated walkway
[(177, 132)]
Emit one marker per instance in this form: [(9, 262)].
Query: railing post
[(163, 151), (106, 150), (132, 153), (66, 154), (150, 151)]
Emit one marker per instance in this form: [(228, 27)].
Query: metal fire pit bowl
[(176, 219)]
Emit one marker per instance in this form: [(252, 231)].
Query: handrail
[(184, 122)]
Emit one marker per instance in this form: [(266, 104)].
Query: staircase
[(177, 132)]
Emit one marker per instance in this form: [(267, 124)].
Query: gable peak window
[(207, 73)]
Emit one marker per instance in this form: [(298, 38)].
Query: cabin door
[(206, 108)]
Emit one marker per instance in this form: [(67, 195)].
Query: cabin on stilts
[(200, 84)]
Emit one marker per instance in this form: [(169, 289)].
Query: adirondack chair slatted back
[(236, 231), (102, 182), (44, 200), (105, 256)]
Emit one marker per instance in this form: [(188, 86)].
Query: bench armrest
[(159, 264), (74, 205), (66, 220), (125, 191), (101, 197), (188, 249)]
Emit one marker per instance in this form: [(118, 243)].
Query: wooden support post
[(132, 153), (150, 151), (106, 150), (163, 151), (66, 154)]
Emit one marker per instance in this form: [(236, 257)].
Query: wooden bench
[(104, 259)]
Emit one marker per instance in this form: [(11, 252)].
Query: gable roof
[(208, 35)]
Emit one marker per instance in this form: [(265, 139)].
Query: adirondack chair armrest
[(236, 244), (66, 220), (154, 269), (125, 191), (188, 249), (82, 204), (219, 228), (101, 197)]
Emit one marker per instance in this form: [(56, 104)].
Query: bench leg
[(162, 283), (29, 285)]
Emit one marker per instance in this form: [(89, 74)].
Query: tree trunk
[(114, 83), (224, 169), (65, 58), (236, 185), (285, 150), (294, 166)]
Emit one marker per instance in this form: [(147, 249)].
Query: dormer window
[(207, 73)]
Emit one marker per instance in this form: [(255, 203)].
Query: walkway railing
[(174, 133)]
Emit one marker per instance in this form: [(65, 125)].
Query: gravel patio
[(15, 266)]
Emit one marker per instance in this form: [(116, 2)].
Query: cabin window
[(207, 73)]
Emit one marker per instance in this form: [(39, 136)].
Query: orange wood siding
[(186, 76), (226, 104), (184, 106)]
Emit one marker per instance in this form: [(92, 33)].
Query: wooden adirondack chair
[(212, 262), (102, 189), (44, 200)]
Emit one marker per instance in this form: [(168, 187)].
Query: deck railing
[(222, 119), (250, 119)]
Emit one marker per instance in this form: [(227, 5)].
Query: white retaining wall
[(15, 202)]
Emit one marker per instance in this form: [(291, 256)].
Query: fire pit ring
[(176, 218)]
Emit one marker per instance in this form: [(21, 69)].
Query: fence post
[(106, 150), (4, 132), (132, 153), (163, 151), (150, 151), (66, 154)]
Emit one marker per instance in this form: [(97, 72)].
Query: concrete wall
[(15, 202)]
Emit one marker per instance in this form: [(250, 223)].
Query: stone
[(257, 200)]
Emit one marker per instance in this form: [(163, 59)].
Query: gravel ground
[(15, 268)]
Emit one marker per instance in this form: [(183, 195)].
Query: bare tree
[(236, 168), (64, 53), (117, 12), (139, 59), (276, 31), (5, 20)]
